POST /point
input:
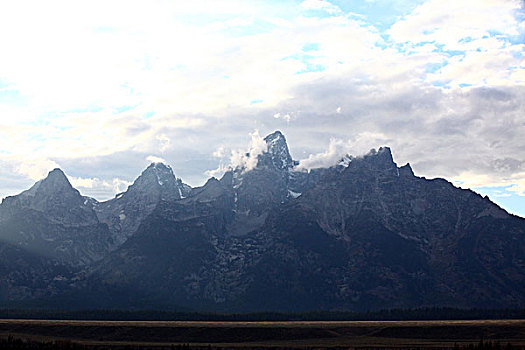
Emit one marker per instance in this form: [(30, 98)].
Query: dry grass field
[(318, 335)]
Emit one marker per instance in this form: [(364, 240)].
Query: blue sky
[(102, 88)]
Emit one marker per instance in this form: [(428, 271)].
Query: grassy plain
[(329, 334)]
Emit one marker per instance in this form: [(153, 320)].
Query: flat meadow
[(303, 334)]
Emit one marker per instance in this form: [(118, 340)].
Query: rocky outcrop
[(124, 213), (53, 220)]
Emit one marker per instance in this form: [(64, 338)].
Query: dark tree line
[(13, 343), (487, 345), (153, 315)]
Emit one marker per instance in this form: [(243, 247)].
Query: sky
[(103, 88)]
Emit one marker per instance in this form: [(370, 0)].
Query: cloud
[(284, 116), (471, 38), (243, 159), (219, 171), (444, 86), (514, 183), (248, 160), (99, 188), (518, 187), (335, 151), (36, 169), (456, 23), (164, 142), (337, 148), (155, 159), (321, 5)]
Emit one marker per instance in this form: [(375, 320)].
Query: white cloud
[(452, 22), (218, 172), (248, 160), (164, 142), (223, 155), (119, 185), (477, 32), (155, 159), (284, 116), (337, 148), (84, 182), (321, 5), (514, 183), (133, 79), (99, 188), (239, 158), (36, 168), (495, 66), (518, 184), (220, 152)]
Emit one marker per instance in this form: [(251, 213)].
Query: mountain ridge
[(361, 234)]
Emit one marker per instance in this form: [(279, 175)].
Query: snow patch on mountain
[(345, 161), (294, 194)]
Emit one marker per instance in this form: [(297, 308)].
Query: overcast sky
[(102, 88)]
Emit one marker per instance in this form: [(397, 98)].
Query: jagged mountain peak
[(277, 134), (124, 213), (157, 175), (56, 179), (56, 173), (156, 182), (382, 151), (57, 199), (160, 169), (211, 189), (159, 166), (406, 170), (276, 238), (381, 158), (278, 154), (55, 182)]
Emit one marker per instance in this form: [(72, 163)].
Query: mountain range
[(363, 234)]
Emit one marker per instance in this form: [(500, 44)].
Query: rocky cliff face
[(55, 198), (395, 240), (47, 233), (363, 234), (124, 213), (53, 220)]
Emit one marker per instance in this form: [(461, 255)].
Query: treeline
[(487, 345), (17, 343), (14, 343), (153, 315)]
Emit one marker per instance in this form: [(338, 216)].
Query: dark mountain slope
[(53, 220), (362, 235), (381, 212), (127, 210), (25, 275), (171, 248)]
